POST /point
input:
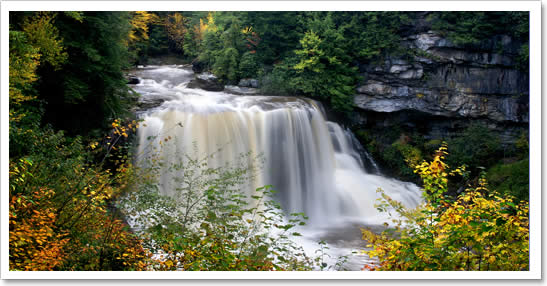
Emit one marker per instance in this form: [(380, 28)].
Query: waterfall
[(316, 166)]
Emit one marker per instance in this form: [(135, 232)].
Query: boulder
[(206, 81), (133, 80), (248, 82), (240, 90)]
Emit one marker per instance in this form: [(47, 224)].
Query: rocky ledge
[(444, 79)]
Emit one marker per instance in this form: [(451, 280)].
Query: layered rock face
[(443, 79)]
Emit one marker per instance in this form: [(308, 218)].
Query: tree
[(139, 35), (323, 70), (90, 89), (37, 44), (176, 27)]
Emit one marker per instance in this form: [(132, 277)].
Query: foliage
[(511, 179), (471, 28), (89, 89), (175, 25), (23, 62), (35, 243), (140, 22), (279, 33), (478, 230), (60, 215), (373, 35), (322, 70), (207, 223), (275, 81), (139, 35), (248, 65), (476, 147), (42, 34), (226, 61), (403, 157)]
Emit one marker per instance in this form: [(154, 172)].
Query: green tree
[(323, 69), (372, 36), (89, 89), (226, 64)]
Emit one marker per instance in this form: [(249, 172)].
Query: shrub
[(511, 179), (478, 230), (207, 222), (60, 213)]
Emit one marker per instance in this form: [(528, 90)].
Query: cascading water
[(315, 165)]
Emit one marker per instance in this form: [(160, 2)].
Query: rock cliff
[(443, 79)]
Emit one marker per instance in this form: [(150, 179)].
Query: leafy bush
[(206, 222), (401, 157), (478, 230), (60, 213)]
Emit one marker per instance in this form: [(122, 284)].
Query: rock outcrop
[(443, 79), (238, 90), (206, 81)]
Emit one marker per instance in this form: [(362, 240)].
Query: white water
[(315, 165)]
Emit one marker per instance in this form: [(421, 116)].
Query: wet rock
[(399, 68), (412, 74), (206, 81), (248, 82), (240, 90), (133, 80), (149, 103), (427, 40)]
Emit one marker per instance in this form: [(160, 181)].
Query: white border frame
[(535, 128)]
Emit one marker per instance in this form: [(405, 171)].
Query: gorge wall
[(440, 87)]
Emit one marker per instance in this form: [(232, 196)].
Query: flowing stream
[(316, 166)]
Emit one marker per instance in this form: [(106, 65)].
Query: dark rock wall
[(445, 83)]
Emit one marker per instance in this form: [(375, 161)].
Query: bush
[(207, 222), (478, 230), (511, 179), (60, 212), (401, 157)]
